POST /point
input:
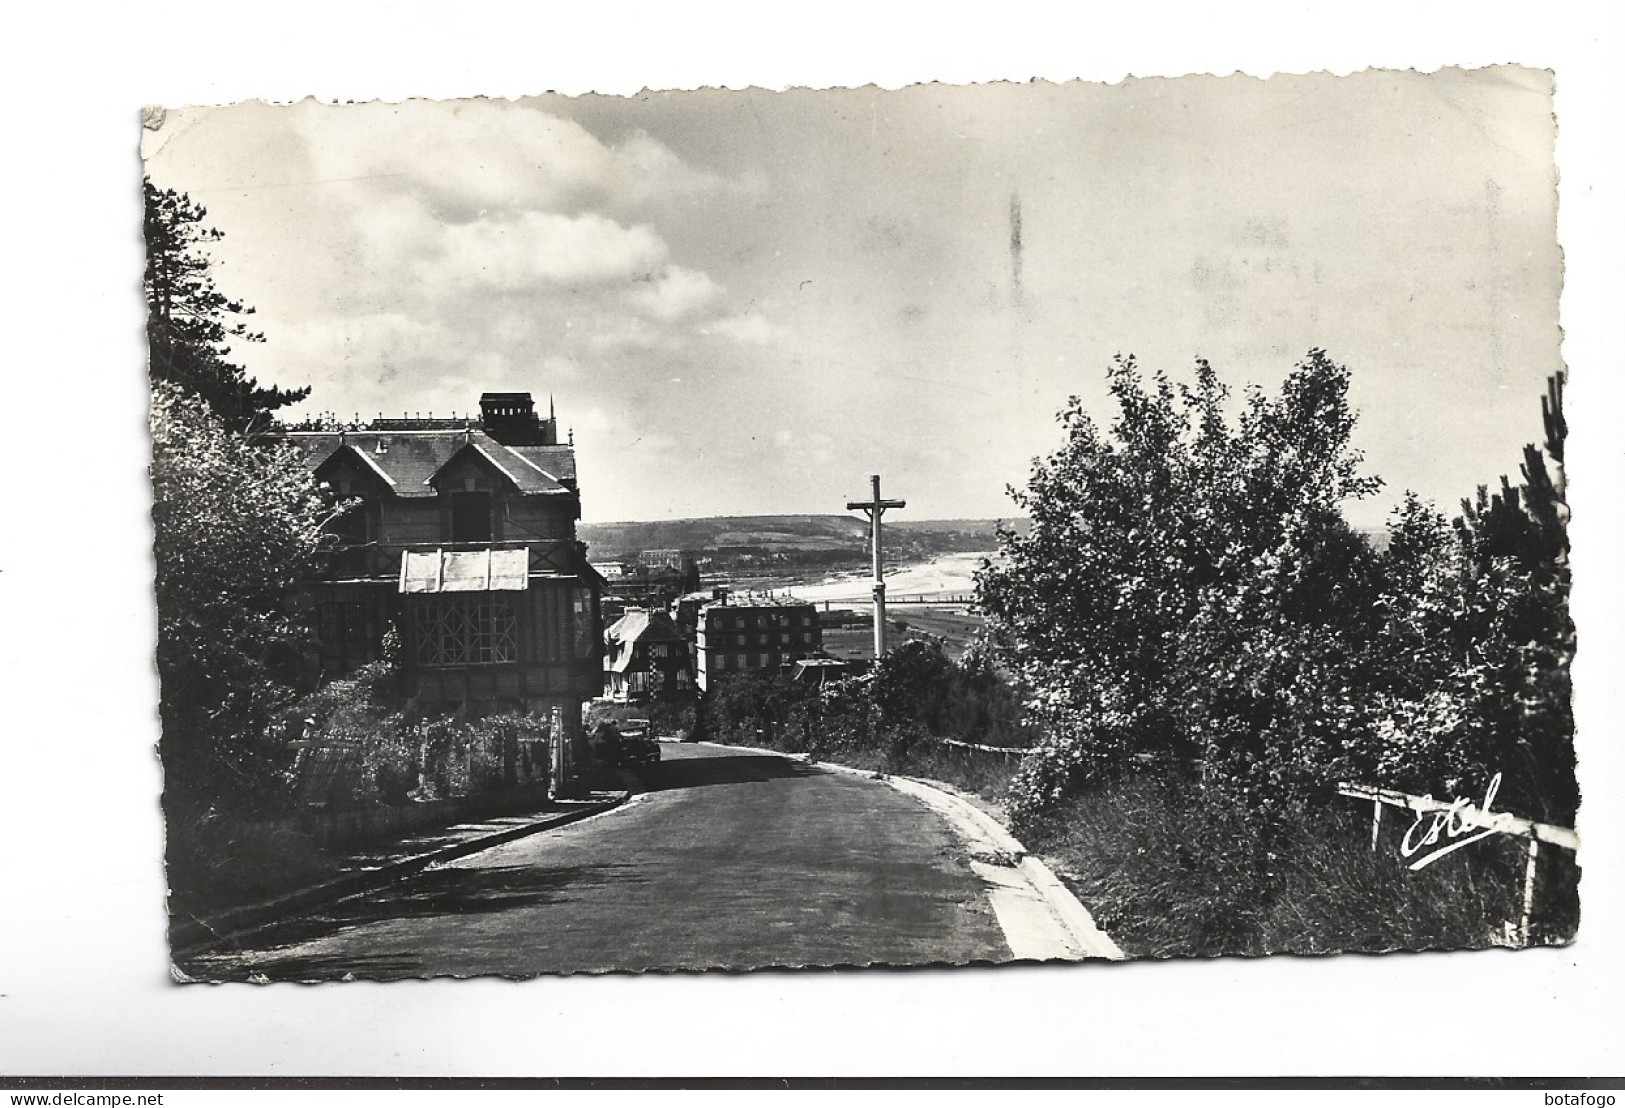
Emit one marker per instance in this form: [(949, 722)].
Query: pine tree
[(191, 324)]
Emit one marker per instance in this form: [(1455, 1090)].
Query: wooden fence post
[(1526, 917), (1566, 838)]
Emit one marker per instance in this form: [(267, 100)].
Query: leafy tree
[(237, 525), (912, 683), (191, 323), (1185, 585)]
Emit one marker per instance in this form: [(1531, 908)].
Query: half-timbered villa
[(462, 537), (647, 658)]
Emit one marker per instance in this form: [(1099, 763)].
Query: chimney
[(510, 418)]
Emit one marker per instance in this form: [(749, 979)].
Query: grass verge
[(1170, 871)]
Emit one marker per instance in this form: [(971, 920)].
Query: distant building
[(686, 608), (609, 571), (654, 559), (464, 541), (843, 617), (736, 634), (646, 657), (645, 587)]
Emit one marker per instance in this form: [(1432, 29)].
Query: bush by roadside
[(215, 861), (893, 719), (369, 745), (365, 751), (1170, 869)]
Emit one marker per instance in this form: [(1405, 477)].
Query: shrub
[(1169, 868), (236, 528), (214, 860)]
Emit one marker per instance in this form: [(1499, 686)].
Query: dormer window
[(472, 490), (355, 527), (350, 476), (470, 517)]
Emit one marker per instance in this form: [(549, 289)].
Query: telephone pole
[(874, 508)]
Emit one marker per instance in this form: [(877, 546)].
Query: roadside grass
[(215, 862), (984, 774), (980, 775), (1169, 871), (909, 754)]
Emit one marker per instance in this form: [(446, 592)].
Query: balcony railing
[(382, 560)]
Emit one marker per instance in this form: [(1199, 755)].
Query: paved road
[(729, 859)]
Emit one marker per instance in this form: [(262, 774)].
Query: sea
[(945, 576)]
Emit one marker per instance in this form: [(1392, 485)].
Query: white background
[(83, 982)]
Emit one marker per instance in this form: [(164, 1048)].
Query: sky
[(744, 302)]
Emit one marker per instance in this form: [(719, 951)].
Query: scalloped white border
[(82, 987)]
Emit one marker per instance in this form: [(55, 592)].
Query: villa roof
[(644, 625), (409, 460), (744, 602)]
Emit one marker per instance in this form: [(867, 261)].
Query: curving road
[(728, 859)]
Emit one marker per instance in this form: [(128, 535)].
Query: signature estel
[(1449, 825)]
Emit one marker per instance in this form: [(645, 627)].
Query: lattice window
[(466, 630)]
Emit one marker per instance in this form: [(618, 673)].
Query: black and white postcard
[(948, 525)]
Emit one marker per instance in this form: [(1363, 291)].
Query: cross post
[(874, 508)]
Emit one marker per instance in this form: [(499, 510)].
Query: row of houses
[(707, 635)]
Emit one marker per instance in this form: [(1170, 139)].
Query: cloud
[(377, 343), (469, 158), (462, 157), (521, 240), (653, 174), (677, 293), (542, 247), (559, 368), (751, 328), (622, 331)]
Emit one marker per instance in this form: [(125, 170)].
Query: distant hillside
[(792, 536), (753, 542)]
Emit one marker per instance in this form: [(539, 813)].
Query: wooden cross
[(874, 508)]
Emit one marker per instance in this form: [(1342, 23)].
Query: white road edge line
[(1071, 933)]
